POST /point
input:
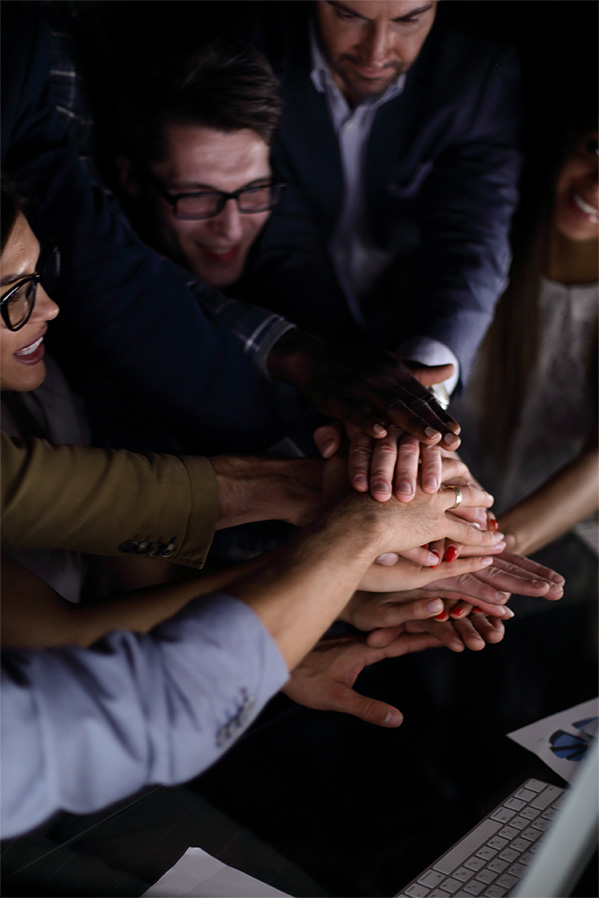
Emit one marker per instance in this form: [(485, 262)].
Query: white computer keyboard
[(491, 859)]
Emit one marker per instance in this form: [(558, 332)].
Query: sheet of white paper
[(200, 875), (562, 739)]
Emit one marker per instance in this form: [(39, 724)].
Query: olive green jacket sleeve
[(106, 501)]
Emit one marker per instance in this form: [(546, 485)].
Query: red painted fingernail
[(451, 554), (458, 612), (438, 555), (494, 524), (443, 616)]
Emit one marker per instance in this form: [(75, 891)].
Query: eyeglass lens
[(205, 205), (19, 304)]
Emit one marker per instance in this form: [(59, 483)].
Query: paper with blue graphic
[(563, 739)]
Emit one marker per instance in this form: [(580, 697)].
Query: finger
[(422, 556), (540, 570), (490, 629), (446, 634), (452, 552), (506, 576), (467, 565), (382, 465), (359, 458), (461, 532), (430, 468), (437, 547), (462, 609), (469, 635), (369, 710), (406, 469), (383, 637), (471, 497), (472, 586), (327, 439), (454, 470), (392, 614)]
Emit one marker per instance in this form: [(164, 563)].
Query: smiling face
[(197, 158), (22, 352), (369, 43), (576, 207)]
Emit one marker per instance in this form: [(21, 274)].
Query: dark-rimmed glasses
[(18, 303), (208, 203)]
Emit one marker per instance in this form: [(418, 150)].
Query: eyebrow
[(200, 188), (406, 17)]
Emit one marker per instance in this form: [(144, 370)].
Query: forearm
[(564, 500)]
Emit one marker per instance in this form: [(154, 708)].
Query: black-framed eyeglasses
[(18, 303), (208, 203)]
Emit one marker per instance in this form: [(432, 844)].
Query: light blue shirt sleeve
[(82, 728)]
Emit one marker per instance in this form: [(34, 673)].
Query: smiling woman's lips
[(587, 210), (32, 353), (221, 256)]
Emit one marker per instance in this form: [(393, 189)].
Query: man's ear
[(128, 176)]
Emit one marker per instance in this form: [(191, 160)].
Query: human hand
[(398, 526), (388, 465), (264, 489), (370, 387), (324, 679), (474, 632)]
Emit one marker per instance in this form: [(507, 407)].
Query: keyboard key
[(451, 885), (517, 870), (474, 888), (530, 813), (507, 880), (549, 814), (520, 844), (497, 866), (508, 832), (463, 874), (525, 794), (456, 856), (475, 863), (547, 797), (416, 891), (535, 785), (486, 876), (541, 824), (495, 891), (502, 815), (431, 879), (498, 843), (519, 822), (516, 804), (531, 834), (508, 854), (486, 852)]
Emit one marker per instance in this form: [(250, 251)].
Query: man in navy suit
[(399, 148)]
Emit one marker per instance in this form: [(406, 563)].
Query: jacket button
[(169, 550), (129, 546)]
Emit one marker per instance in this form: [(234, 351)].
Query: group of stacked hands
[(396, 538)]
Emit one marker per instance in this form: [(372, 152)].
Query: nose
[(373, 47), (45, 308), (228, 222)]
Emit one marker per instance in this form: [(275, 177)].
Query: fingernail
[(499, 543), (458, 612), (382, 489), (387, 559), (432, 433), (405, 488), (508, 614), (361, 482), (502, 596), (393, 718), (540, 583), (451, 440), (451, 553), (443, 616), (431, 483), (379, 430), (486, 562), (437, 560), (435, 606), (493, 524), (327, 448)]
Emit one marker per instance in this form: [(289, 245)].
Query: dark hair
[(12, 204), (224, 85), (509, 351)]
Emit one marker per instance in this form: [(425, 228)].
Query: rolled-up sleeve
[(83, 728)]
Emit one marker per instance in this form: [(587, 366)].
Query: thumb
[(327, 439), (432, 374), (368, 709)]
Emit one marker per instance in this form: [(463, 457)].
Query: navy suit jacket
[(132, 337), (441, 186)]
